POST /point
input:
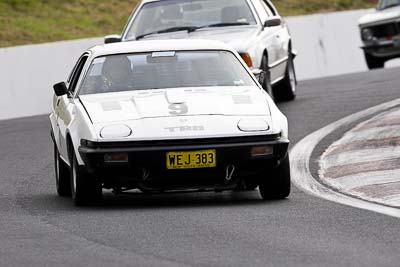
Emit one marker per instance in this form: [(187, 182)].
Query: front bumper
[(146, 168), (388, 48)]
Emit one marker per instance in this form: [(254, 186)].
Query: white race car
[(253, 27), (166, 115)]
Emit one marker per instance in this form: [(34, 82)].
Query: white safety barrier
[(327, 44), (27, 74)]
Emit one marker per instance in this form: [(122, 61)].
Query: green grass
[(38, 21), (303, 7)]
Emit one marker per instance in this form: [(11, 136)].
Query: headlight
[(246, 57), (367, 34), (115, 131), (253, 125)]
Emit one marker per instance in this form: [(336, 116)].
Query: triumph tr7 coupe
[(159, 116)]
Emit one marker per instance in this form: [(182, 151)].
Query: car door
[(283, 36), (65, 105), (269, 37)]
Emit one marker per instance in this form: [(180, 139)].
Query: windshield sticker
[(163, 54)]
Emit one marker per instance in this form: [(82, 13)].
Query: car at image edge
[(253, 27), (163, 116), (380, 33)]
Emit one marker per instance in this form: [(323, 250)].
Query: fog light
[(116, 158), (262, 151)]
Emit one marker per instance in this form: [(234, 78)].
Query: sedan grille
[(386, 30)]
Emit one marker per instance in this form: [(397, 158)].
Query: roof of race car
[(157, 45)]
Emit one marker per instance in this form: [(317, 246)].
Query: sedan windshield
[(177, 15), (160, 70), (383, 4)]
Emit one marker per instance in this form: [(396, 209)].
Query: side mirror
[(109, 39), (260, 75), (273, 21), (60, 89)]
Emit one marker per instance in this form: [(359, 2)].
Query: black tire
[(62, 175), (86, 190), (374, 62), (285, 90), (276, 184), (267, 81)]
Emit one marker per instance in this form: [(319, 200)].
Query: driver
[(117, 73)]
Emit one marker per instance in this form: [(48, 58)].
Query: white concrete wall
[(27, 74), (328, 44)]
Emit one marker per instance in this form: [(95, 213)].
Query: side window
[(260, 8), (72, 72), (271, 8), (76, 73), (267, 9)]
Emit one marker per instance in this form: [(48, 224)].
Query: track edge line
[(301, 154)]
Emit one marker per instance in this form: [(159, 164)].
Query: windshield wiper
[(223, 24), (192, 28), (173, 29)]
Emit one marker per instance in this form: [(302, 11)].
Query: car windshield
[(158, 70), (173, 15), (383, 4)]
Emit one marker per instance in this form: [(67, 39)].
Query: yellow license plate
[(192, 159)]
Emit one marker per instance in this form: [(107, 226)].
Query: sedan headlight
[(253, 125), (367, 34), (115, 131)]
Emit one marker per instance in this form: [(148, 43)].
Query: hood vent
[(111, 106), (241, 100)]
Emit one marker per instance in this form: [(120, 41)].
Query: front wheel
[(276, 184), (285, 90), (86, 190)]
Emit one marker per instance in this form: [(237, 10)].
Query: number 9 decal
[(178, 109)]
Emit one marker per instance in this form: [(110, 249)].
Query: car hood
[(237, 37), (380, 15), (136, 105)]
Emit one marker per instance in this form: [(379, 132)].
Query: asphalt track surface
[(37, 228)]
